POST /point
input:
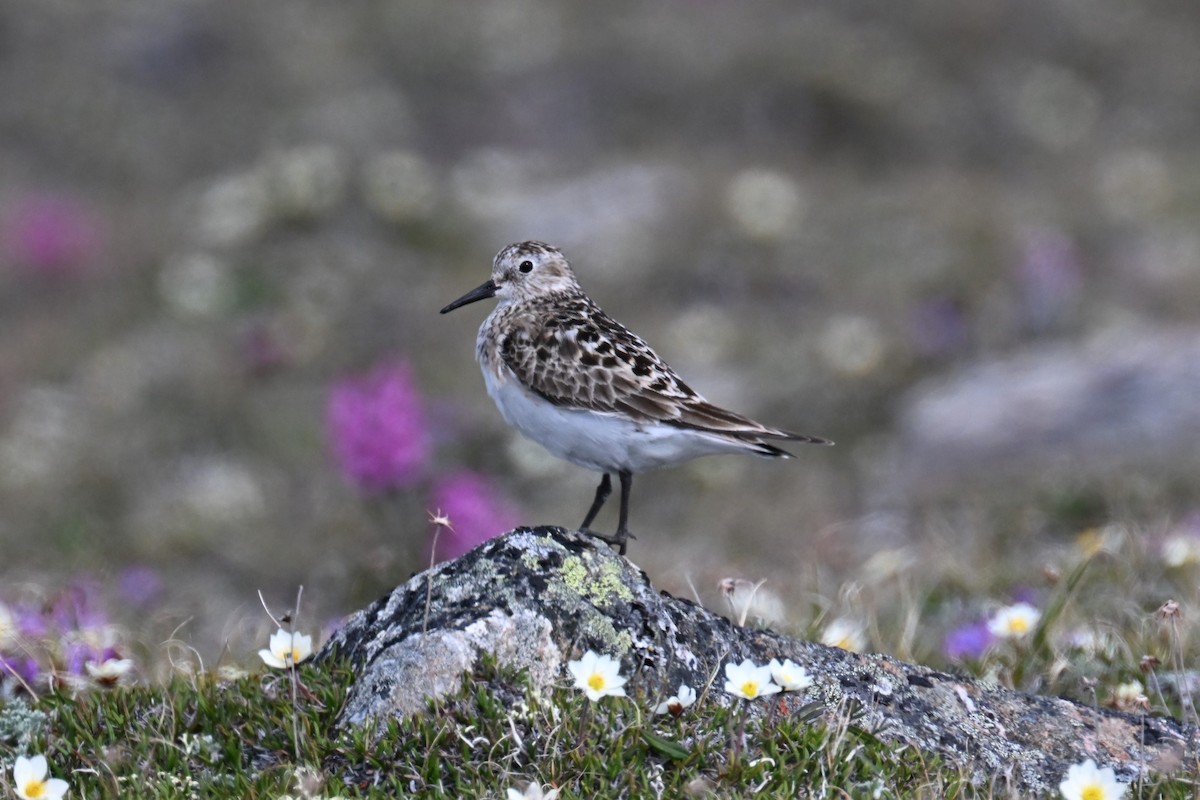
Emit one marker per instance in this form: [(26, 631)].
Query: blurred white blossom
[(400, 186), (306, 182), (764, 203), (1014, 622), (851, 345), (846, 634), (231, 210), (48, 429), (196, 285), (750, 600)]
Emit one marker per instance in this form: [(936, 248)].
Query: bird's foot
[(618, 540)]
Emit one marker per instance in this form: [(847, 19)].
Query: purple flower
[(1049, 276), (1026, 594), (938, 326), (22, 667), (139, 586), (475, 511), (31, 621), (377, 429), (51, 235), (968, 642), (75, 655), (76, 608)]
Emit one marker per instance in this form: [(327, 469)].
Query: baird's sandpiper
[(585, 387)]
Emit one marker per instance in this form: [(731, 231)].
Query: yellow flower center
[(596, 681), (750, 688), (35, 789), (1092, 792), (1020, 625)]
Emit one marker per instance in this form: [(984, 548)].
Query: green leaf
[(665, 747)]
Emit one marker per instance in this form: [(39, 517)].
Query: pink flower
[(51, 235), (377, 429), (476, 513)]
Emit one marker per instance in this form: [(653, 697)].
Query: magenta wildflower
[(475, 510), (51, 235), (377, 429)]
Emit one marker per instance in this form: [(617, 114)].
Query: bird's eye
[(526, 266)]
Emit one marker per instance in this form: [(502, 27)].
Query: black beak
[(481, 293)]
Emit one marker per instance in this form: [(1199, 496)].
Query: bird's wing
[(579, 357)]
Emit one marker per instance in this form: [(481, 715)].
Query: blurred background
[(959, 238)]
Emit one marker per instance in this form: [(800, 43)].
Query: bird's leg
[(622, 535), (622, 527), (602, 493)]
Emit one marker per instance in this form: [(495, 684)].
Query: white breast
[(598, 440)]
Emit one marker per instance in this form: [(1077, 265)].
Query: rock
[(1117, 400), (536, 597)]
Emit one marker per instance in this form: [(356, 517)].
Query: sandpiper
[(589, 390)]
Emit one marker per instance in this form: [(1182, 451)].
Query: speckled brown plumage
[(572, 378)]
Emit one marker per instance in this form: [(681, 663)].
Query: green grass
[(206, 738), (200, 735)]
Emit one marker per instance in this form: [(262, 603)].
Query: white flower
[(532, 792), (1015, 621), (750, 600), (1129, 696), (676, 704), (8, 627), (287, 649), (845, 634), (749, 680), (1181, 549), (109, 671), (1086, 782), (597, 675), (790, 676), (29, 779)]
